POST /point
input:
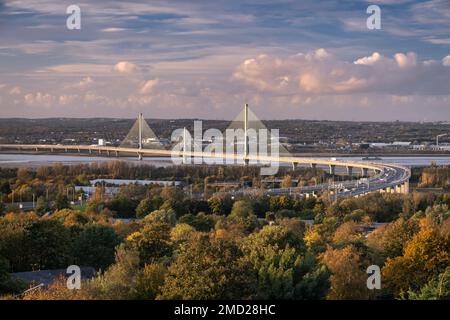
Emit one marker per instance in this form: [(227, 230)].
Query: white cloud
[(85, 82), (148, 86), (67, 99), (446, 61), (126, 67), (406, 61), (443, 41), (375, 57), (15, 91), (319, 72), (114, 29), (40, 99), (76, 69)]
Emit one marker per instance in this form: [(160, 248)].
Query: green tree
[(48, 243), (220, 204), (200, 221), (12, 207), (209, 269), (152, 242), (276, 254), (118, 281), (144, 208), (277, 203), (181, 233), (41, 205), (61, 202), (149, 281), (242, 214), (13, 234), (95, 246), (437, 288), (162, 216), (8, 285), (71, 218), (438, 213), (123, 207), (94, 206)]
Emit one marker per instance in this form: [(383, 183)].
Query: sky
[(289, 59)]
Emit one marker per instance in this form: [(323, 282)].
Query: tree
[(123, 206), (286, 213), (390, 240), (144, 208), (242, 214), (179, 207), (200, 221), (61, 202), (220, 204), (13, 234), (95, 246), (314, 284), (12, 207), (275, 268), (277, 203), (94, 206), (276, 236), (8, 285), (424, 256), (286, 182), (181, 233), (172, 193), (149, 281), (261, 206), (348, 279), (41, 205), (118, 282), (347, 232), (152, 242), (437, 288), (48, 243), (22, 174), (295, 226), (275, 254), (208, 269), (438, 213), (71, 218), (162, 216)]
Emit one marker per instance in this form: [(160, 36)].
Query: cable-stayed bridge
[(142, 141)]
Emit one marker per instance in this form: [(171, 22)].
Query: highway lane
[(389, 177)]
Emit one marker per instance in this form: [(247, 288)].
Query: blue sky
[(204, 59)]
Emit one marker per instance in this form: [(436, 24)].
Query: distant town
[(298, 136)]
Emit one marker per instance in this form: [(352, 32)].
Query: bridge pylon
[(251, 136), (141, 136), (245, 134)]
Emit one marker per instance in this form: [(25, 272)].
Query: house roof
[(48, 276)]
